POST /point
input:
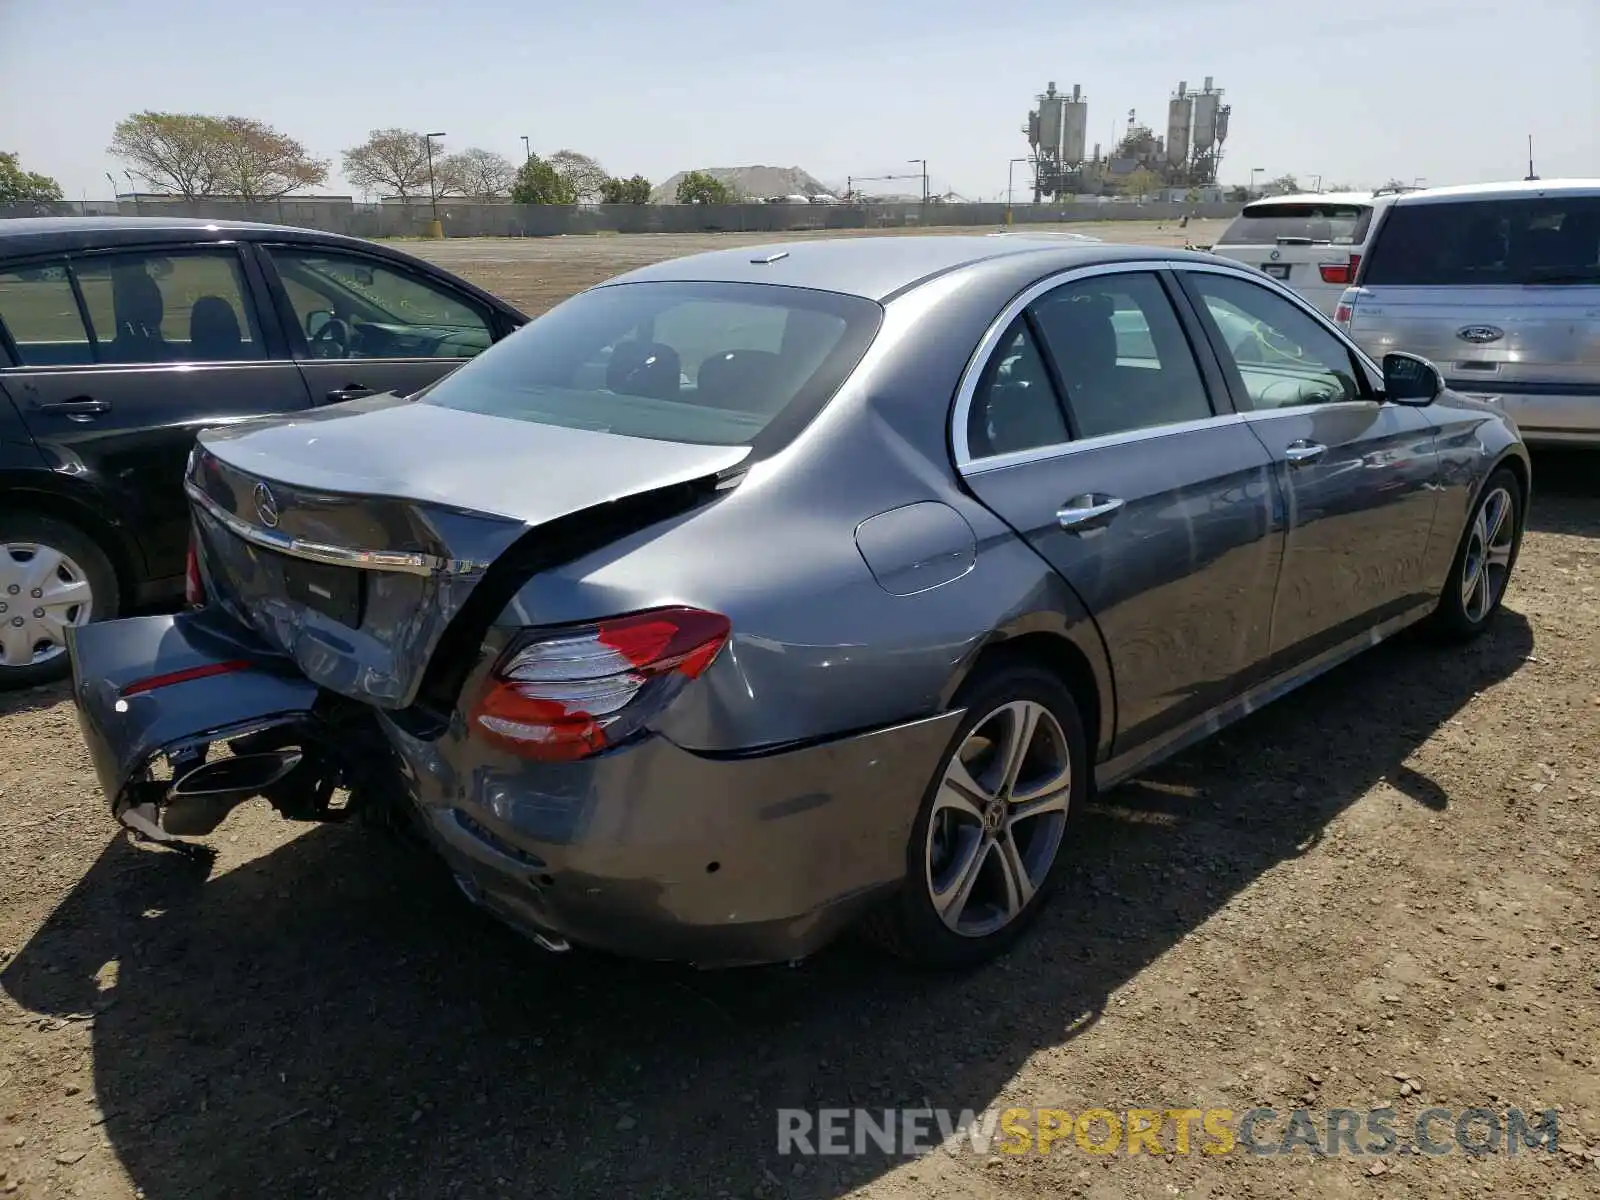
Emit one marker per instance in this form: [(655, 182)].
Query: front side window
[(1121, 354), (1279, 356), (1541, 241), (182, 306), (350, 306), (40, 312), (712, 363)]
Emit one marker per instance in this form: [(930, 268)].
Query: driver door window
[(1278, 356), (350, 307)]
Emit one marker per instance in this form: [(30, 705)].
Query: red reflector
[(1334, 272), (153, 682), (194, 591)]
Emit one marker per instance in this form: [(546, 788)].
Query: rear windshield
[(1305, 223), (1547, 240), (713, 363)]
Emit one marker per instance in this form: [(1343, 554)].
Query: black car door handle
[(350, 391), (78, 406)]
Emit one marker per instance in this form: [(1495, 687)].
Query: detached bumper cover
[(654, 852)]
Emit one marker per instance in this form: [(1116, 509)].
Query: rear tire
[(1481, 572), (52, 575), (985, 849)]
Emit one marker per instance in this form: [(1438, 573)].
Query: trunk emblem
[(266, 506), (1480, 334)]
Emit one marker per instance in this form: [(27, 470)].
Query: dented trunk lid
[(349, 538)]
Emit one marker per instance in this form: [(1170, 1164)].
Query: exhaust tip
[(242, 775)]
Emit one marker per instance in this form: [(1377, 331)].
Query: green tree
[(625, 191), (24, 187), (1141, 183), (538, 182), (172, 152), (1284, 185), (701, 187), (390, 160)]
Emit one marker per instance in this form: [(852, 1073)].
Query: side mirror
[(316, 319), (1408, 379)]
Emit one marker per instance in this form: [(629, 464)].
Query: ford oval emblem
[(266, 506), (1479, 335)]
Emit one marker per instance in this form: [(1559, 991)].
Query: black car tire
[(1460, 617), (96, 567), (909, 924)]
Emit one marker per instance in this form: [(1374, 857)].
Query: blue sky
[(1359, 91)]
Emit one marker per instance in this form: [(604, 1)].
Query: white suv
[(1311, 242)]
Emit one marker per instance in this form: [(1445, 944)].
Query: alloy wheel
[(1487, 564), (997, 818), (42, 593)]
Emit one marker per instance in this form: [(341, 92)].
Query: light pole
[(924, 164), (527, 152), (1254, 171), (434, 230), (1010, 167)]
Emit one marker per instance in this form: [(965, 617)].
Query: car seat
[(214, 334), (650, 369)]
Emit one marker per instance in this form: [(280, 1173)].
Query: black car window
[(177, 306), (1544, 241), (722, 364), (40, 312), (1278, 356), (1015, 406), (350, 306), (1121, 354)]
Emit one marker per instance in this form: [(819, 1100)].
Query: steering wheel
[(332, 340)]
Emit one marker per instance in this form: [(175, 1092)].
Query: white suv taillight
[(1344, 272), (569, 693)]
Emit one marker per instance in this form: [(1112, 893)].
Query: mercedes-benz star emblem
[(266, 506)]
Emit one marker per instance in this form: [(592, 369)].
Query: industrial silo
[(1179, 117)]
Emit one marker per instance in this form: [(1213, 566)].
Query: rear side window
[(1302, 223), (40, 313), (713, 363), (189, 306), (1541, 240)]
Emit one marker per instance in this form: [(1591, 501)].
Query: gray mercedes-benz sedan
[(752, 594)]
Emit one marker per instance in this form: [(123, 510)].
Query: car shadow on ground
[(331, 1019), (33, 699)]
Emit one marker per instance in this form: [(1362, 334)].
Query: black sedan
[(121, 337)]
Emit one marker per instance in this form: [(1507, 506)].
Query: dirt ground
[(1390, 877)]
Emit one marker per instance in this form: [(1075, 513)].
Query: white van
[(1312, 242)]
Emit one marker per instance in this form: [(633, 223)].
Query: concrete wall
[(549, 220)]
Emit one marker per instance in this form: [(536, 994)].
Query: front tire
[(985, 849), (52, 576), (1482, 568)]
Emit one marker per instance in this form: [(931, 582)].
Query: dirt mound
[(753, 183)]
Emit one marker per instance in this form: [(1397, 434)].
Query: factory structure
[(1186, 156)]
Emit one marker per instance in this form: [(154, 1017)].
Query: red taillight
[(1341, 314), (194, 590), (1340, 272), (573, 692)]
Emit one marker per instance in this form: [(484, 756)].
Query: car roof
[(51, 235), (1314, 198), (880, 268), (1519, 189)]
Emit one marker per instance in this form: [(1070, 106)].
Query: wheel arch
[(125, 556)]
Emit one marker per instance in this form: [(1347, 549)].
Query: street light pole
[(1010, 167), (527, 152), (924, 164), (1254, 171), (434, 229)]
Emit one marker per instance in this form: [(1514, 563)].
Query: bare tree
[(256, 162), (480, 174), (393, 160), (172, 152), (586, 176)]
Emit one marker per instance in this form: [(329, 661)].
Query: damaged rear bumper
[(655, 852)]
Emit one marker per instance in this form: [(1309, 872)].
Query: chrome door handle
[(1082, 514), (1302, 452)]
